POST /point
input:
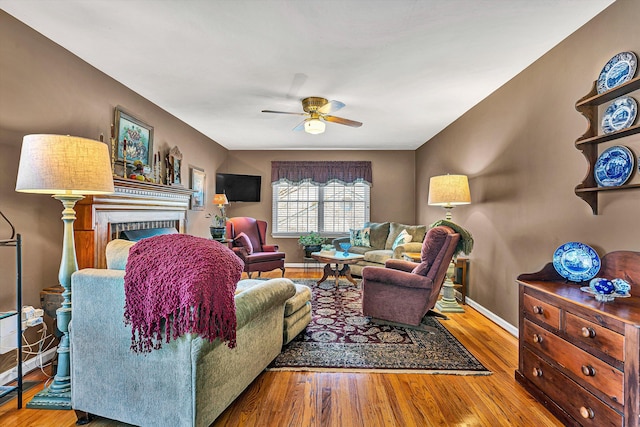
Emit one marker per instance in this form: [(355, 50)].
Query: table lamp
[(68, 168), (449, 191), (221, 200)]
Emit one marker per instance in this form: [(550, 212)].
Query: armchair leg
[(249, 274), (282, 271), (83, 418)]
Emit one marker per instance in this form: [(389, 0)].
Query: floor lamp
[(449, 191), (68, 168)]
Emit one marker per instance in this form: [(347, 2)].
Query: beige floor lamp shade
[(69, 168), (57, 164)]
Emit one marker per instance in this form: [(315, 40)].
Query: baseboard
[(27, 366), (493, 317), (304, 265)]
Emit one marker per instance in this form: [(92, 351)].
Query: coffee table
[(341, 262)]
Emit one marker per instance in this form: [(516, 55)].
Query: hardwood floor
[(360, 399)]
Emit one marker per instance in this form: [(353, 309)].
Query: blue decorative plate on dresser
[(620, 69), (576, 261), (620, 114), (614, 166)]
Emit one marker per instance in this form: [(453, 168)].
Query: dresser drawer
[(584, 407), (583, 366), (596, 336), (542, 311)]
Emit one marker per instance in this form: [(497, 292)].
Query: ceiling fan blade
[(300, 126), (284, 112), (342, 121), (331, 107)]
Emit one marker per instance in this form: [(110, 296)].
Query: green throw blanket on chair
[(465, 244)]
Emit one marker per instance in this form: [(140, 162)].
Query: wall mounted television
[(239, 188)]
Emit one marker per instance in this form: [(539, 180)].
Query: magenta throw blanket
[(181, 283)]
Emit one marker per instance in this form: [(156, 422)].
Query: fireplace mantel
[(134, 203)]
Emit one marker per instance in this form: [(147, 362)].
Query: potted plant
[(218, 227), (311, 242)]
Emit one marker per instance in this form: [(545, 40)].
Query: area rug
[(340, 338)]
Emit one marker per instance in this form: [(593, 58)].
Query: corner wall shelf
[(588, 189)]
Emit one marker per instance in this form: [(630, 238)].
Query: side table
[(460, 277)]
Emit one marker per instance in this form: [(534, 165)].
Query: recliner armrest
[(400, 264), (395, 278)]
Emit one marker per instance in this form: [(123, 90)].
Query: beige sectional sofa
[(382, 236)]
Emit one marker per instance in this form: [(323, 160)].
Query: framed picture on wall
[(133, 137), (174, 167), (198, 187)]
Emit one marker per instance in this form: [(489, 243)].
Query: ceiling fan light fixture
[(314, 126)]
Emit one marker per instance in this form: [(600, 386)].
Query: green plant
[(217, 220), (328, 247), (311, 239)]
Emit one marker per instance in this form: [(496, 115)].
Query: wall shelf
[(588, 189)]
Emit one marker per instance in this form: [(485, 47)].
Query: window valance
[(321, 172)]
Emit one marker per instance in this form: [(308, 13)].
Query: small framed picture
[(132, 137), (198, 187), (174, 167)]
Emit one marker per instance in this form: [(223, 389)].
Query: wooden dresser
[(578, 356)]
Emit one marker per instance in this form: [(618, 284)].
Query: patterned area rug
[(339, 337)]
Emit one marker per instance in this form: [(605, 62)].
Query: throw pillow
[(244, 241), (402, 238), (360, 237)]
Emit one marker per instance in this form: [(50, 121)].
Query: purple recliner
[(249, 243), (404, 291)]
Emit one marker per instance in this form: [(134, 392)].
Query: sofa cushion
[(417, 233), (299, 300), (243, 240), (379, 256), (379, 233), (117, 253), (402, 238), (359, 237)]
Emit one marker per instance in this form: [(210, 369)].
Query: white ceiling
[(405, 68)]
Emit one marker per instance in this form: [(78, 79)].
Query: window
[(331, 209)]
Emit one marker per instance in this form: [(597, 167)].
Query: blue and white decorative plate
[(614, 166), (620, 114), (620, 69), (576, 261)]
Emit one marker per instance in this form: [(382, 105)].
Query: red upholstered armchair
[(403, 292), (249, 243)]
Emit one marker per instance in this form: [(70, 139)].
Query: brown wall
[(46, 89), (517, 146), (391, 194)]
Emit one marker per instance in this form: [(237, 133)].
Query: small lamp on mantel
[(68, 168), (449, 191)]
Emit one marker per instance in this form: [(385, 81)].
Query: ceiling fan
[(317, 111)]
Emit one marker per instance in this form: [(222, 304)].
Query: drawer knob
[(537, 372), (588, 371), (588, 332), (537, 338), (587, 412), (538, 310)]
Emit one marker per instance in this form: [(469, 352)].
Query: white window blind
[(331, 209)]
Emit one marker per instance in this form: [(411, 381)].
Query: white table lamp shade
[(449, 190), (58, 164)]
